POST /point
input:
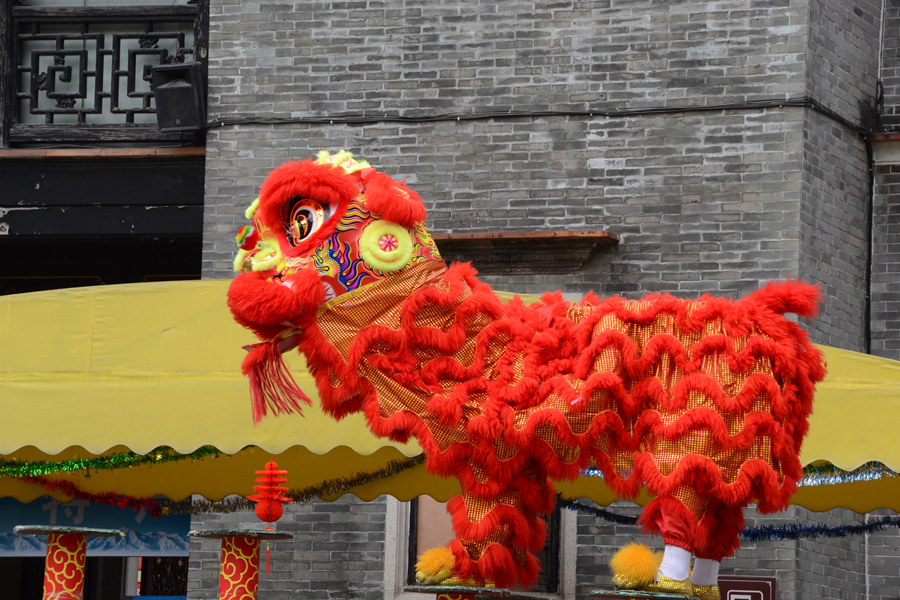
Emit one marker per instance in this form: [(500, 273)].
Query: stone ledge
[(524, 252), (38, 153)]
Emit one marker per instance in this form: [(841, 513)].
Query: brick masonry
[(337, 552), (718, 201), (834, 242), (886, 263), (890, 66), (841, 73)]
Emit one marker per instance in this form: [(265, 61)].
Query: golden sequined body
[(695, 400)]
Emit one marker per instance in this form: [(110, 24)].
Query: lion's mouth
[(263, 258), (330, 292)]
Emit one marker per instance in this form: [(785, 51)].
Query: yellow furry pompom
[(635, 566), (435, 565)]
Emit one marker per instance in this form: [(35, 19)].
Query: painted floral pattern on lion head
[(322, 228)]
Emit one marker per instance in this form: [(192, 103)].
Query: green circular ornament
[(385, 246)]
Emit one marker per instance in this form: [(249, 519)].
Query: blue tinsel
[(814, 475), (757, 534)]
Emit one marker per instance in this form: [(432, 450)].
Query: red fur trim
[(392, 200), (326, 184), (529, 531), (497, 565), (789, 297), (255, 299), (266, 307), (271, 384)]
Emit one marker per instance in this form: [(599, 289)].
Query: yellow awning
[(97, 370)]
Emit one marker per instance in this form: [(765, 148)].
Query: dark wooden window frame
[(12, 17), (551, 562)]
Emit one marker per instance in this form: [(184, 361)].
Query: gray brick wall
[(884, 561), (419, 57), (830, 567), (841, 71), (833, 229), (886, 263), (842, 56), (337, 552), (890, 63)]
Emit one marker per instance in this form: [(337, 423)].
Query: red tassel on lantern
[(267, 548), (269, 499)]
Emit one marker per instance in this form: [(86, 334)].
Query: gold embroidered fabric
[(379, 303), (638, 383)]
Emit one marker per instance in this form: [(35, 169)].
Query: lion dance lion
[(703, 402)]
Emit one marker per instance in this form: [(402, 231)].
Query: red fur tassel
[(271, 383)]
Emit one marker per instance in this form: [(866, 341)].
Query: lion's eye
[(305, 218)]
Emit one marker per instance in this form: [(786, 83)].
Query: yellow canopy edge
[(96, 370), (145, 365)]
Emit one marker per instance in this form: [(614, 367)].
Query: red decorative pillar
[(239, 572), (66, 556), (239, 575), (64, 570)]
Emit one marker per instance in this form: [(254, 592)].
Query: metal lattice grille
[(73, 73), (79, 73)]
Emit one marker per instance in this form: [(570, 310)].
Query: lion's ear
[(392, 200)]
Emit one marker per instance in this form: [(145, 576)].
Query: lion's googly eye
[(304, 219)]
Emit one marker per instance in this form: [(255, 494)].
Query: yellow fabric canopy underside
[(97, 370)]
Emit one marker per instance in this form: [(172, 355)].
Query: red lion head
[(320, 229)]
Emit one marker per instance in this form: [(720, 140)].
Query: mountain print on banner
[(133, 544)]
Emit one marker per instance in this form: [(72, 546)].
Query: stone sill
[(39, 153), (524, 252)]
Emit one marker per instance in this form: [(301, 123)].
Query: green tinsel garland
[(118, 460)]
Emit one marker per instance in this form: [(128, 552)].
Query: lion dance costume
[(703, 402)]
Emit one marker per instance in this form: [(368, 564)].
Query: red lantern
[(269, 499), (269, 510)]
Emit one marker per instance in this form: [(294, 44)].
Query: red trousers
[(706, 527)]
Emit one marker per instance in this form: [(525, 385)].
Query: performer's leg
[(676, 563), (677, 517), (705, 572), (705, 579), (721, 525), (724, 525)]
